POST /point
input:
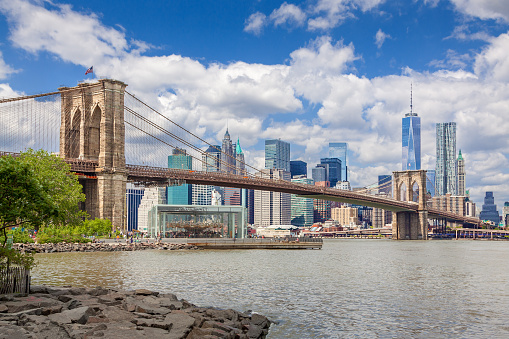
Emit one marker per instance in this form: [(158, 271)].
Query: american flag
[(90, 70)]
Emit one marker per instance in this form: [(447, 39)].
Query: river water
[(350, 288)]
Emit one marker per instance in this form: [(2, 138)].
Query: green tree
[(38, 188)]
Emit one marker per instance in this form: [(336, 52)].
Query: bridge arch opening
[(75, 135), (402, 192), (415, 192), (94, 134)]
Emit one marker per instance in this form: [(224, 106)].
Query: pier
[(258, 243)]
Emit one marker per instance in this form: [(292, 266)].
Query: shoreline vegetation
[(69, 312)]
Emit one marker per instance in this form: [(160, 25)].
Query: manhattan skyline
[(308, 72)]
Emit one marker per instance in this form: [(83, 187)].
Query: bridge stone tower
[(410, 225), (92, 129)]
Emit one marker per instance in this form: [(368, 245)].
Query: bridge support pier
[(410, 225), (92, 129)]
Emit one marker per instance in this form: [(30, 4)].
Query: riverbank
[(100, 247), (66, 312)]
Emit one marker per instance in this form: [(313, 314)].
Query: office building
[(240, 164), (152, 196), (321, 208), (345, 216), (212, 159), (333, 167), (272, 208), (505, 213), (302, 208), (228, 159), (411, 140), (202, 195), (277, 154), (461, 174), (343, 185), (446, 171), (385, 184), (319, 174), (179, 194), (298, 168), (339, 150), (489, 209), (133, 200)]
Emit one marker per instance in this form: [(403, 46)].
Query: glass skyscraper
[(179, 195), (333, 169), (411, 142), (302, 208), (446, 170), (298, 167), (277, 154), (339, 150)]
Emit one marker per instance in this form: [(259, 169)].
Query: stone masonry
[(92, 128), (410, 225)]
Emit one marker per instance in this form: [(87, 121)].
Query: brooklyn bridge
[(110, 137)]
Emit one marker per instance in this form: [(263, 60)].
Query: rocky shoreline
[(66, 312), (99, 247)]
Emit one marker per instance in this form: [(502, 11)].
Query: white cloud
[(251, 97), (72, 36), (380, 38), (5, 70), (492, 62), (484, 9), (255, 23), (331, 13), (288, 14)]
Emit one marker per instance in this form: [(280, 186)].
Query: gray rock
[(145, 292), (260, 320), (181, 323), (254, 332)]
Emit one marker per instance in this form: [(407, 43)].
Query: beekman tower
[(411, 140)]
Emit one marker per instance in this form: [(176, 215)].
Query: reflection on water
[(350, 288)]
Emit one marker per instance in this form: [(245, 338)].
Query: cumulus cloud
[(331, 13), (492, 62), (288, 14), (483, 9), (5, 70), (380, 38), (255, 23), (251, 97)]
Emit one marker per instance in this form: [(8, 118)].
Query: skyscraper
[(411, 140), (319, 174), (298, 167), (272, 208), (339, 150), (333, 169), (302, 208), (277, 154), (212, 159), (182, 194), (228, 160), (461, 175), (446, 171), (489, 209)]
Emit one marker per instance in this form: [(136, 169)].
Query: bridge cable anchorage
[(190, 133)]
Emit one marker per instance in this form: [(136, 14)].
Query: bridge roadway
[(147, 174)]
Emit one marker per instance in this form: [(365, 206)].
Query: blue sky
[(308, 72)]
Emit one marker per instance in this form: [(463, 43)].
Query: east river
[(350, 288)]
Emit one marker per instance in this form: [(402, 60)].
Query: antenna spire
[(411, 106)]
